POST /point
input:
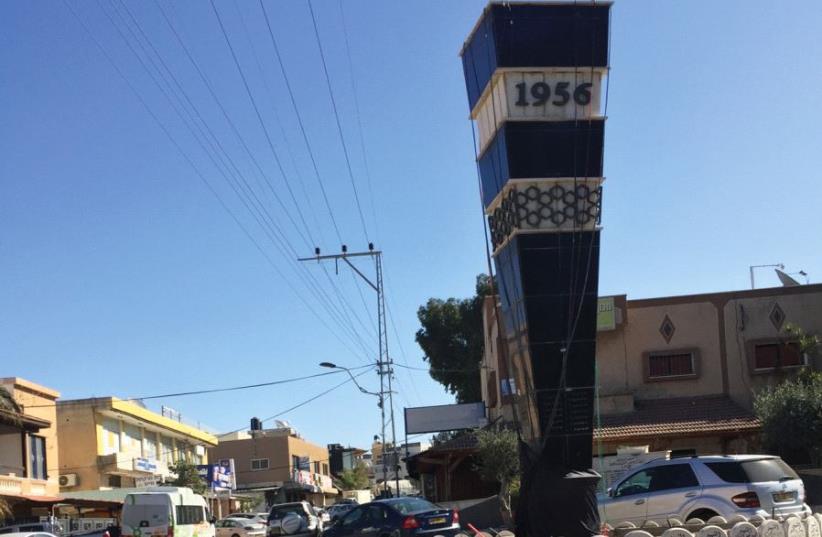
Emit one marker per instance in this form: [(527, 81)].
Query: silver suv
[(703, 487)]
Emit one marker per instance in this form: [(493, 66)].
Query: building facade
[(679, 373), (29, 454), (112, 443), (278, 463)]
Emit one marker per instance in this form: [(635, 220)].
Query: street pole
[(384, 361)]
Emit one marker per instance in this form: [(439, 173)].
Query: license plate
[(438, 520), (780, 497)]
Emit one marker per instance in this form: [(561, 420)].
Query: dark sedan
[(396, 517)]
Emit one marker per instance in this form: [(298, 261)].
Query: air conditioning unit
[(68, 480)]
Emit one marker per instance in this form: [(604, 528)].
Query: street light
[(353, 378), (752, 267), (380, 396)]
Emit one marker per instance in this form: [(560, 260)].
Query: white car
[(704, 487), (29, 534), (239, 527), (259, 517)]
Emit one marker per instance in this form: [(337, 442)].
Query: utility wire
[(171, 452), (188, 159), (300, 121), (277, 119), (360, 130), (337, 119), (83, 401), (260, 119), (330, 306)]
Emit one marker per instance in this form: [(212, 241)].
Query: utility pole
[(384, 361)]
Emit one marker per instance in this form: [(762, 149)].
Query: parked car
[(28, 534), (262, 517), (396, 517), (240, 527), (296, 518), (703, 487)]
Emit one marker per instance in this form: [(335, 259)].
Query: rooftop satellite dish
[(786, 280), (281, 424)]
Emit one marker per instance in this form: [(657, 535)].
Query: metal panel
[(432, 419), (559, 94), (534, 35)]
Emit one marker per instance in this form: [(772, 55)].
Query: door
[(351, 523), (674, 488), (374, 521), (629, 500)]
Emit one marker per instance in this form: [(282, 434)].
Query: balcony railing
[(22, 486)]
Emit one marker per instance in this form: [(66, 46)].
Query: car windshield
[(280, 511), (412, 505), (756, 471)]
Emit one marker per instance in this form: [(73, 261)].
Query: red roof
[(678, 417)]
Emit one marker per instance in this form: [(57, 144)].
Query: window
[(132, 439), (115, 481), (166, 449), (325, 469), (353, 518), (671, 365), (773, 355), (37, 457), (316, 467), (190, 514), (259, 464), (756, 471), (295, 462), (639, 483), (674, 476), (111, 436), (150, 445)]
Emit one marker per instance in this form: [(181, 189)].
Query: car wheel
[(702, 514), (235, 535)]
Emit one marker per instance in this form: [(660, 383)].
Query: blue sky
[(122, 274)]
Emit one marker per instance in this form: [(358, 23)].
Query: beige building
[(111, 443), (278, 463), (29, 455), (679, 373)]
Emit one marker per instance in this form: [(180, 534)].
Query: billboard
[(432, 419), (218, 476)]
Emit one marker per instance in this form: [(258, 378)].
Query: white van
[(166, 512)]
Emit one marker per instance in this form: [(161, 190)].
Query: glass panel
[(190, 514), (150, 445), (639, 483), (658, 366), (681, 364), (37, 457), (676, 476), (132, 440), (166, 449), (111, 436)]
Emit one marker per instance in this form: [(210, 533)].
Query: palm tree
[(10, 407)]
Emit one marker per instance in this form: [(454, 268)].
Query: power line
[(337, 119), (300, 121), (188, 159), (263, 213), (308, 279), (260, 119), (171, 452), (81, 401), (357, 114)]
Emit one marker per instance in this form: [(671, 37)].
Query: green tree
[(498, 460), (791, 415), (187, 476), (451, 337), (355, 478)]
